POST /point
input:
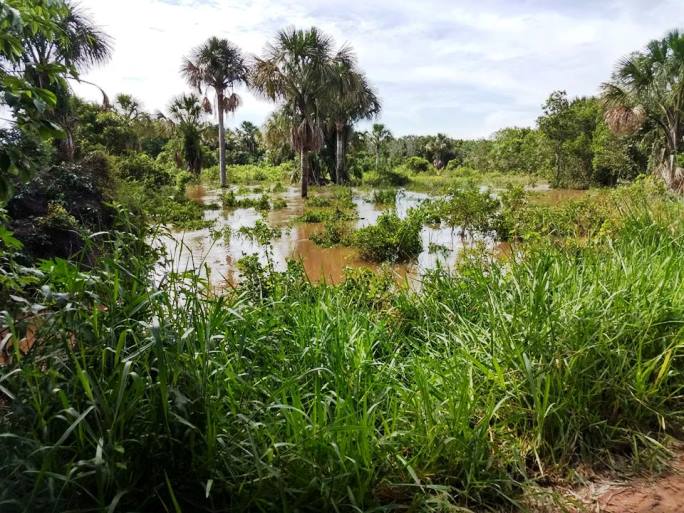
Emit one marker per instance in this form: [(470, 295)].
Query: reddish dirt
[(663, 494)]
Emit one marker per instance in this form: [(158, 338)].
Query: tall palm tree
[(219, 65), (649, 85), (378, 136), (81, 46), (185, 114), (351, 100), (298, 69)]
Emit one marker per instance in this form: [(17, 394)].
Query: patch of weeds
[(385, 197), (261, 232)]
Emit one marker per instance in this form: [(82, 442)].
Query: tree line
[(320, 93)]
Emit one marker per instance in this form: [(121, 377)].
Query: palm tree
[(439, 148), (81, 46), (276, 137), (185, 115), (128, 106), (351, 100), (298, 69), (649, 86), (219, 65), (378, 136)]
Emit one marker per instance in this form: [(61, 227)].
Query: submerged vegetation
[(129, 383)]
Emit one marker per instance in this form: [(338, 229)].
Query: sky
[(463, 68)]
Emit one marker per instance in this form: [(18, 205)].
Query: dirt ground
[(657, 494)]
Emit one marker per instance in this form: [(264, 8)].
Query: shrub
[(333, 233), (417, 164), (386, 178), (390, 239), (278, 204), (140, 167), (469, 209), (182, 179), (318, 201), (385, 197), (229, 200), (260, 232)]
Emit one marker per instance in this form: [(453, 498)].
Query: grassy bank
[(285, 395)]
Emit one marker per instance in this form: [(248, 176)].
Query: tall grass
[(289, 396)]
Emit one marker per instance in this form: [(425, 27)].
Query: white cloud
[(466, 68)]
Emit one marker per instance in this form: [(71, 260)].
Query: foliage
[(385, 197), (219, 65), (126, 376), (390, 239), (334, 232), (261, 232), (647, 92), (417, 165), (20, 22), (142, 168)]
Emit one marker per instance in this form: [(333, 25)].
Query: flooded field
[(204, 250), (215, 251)]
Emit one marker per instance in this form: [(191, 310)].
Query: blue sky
[(465, 68)]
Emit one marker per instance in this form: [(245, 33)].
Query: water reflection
[(216, 255)]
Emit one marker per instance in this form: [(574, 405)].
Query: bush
[(183, 178), (140, 167), (386, 178), (333, 233), (469, 209), (417, 164), (385, 197), (390, 239)]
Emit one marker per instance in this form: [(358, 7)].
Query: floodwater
[(217, 256)]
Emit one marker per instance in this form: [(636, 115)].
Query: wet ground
[(217, 255)]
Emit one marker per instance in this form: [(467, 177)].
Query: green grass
[(251, 173), (288, 396)]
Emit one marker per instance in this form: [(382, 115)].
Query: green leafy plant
[(390, 239)]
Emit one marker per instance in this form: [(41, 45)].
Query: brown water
[(218, 257), (545, 195)]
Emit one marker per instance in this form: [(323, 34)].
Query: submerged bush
[(334, 232), (390, 239), (385, 197)]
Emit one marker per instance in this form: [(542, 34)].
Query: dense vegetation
[(128, 384)]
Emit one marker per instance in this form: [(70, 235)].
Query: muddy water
[(217, 256), (545, 195)]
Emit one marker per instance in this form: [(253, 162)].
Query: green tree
[(378, 138), (185, 113), (276, 136), (298, 69), (81, 45), (219, 65), (29, 83), (351, 99), (648, 85), (569, 126)]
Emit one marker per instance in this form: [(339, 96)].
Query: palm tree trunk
[(340, 176), (305, 172), (222, 141)]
